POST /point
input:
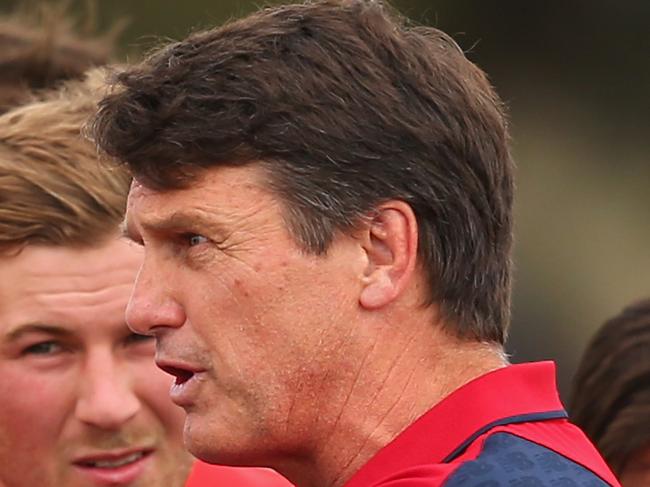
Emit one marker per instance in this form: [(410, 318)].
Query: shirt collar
[(512, 394)]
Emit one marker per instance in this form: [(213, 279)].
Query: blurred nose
[(152, 306), (107, 399)]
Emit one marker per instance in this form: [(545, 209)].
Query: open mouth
[(181, 375), (112, 462)]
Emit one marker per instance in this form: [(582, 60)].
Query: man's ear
[(390, 240)]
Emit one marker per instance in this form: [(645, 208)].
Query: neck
[(390, 383)]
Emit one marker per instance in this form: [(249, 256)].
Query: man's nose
[(107, 399), (152, 306)]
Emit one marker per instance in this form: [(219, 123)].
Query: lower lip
[(184, 394), (122, 475)]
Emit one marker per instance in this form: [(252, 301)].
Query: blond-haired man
[(82, 403)]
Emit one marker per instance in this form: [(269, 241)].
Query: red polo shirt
[(205, 475), (507, 427)]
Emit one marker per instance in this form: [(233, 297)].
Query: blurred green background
[(576, 76)]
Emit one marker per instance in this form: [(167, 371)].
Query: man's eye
[(43, 348), (195, 239)]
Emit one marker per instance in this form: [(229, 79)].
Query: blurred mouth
[(114, 467)]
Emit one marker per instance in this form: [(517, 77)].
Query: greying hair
[(346, 106)]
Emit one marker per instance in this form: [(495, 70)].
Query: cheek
[(25, 391), (35, 409), (267, 317)]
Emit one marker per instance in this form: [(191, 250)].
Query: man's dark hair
[(611, 392), (345, 106)]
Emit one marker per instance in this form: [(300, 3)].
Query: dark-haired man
[(611, 393), (324, 198)]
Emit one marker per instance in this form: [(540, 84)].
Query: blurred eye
[(136, 338), (140, 345), (43, 348)]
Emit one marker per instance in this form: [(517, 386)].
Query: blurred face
[(82, 401), (636, 472), (256, 331)]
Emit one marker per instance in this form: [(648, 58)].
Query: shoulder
[(501, 459), (513, 461)]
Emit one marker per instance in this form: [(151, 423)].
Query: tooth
[(119, 462)]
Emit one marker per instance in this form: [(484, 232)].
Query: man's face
[(257, 332), (82, 402)]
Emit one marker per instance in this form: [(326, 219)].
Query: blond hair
[(53, 189)]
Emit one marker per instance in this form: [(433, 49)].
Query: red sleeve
[(421, 476)]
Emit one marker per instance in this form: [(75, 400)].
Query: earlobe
[(377, 292), (390, 243)]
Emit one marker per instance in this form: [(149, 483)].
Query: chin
[(225, 441), (214, 455), (206, 443), (223, 450)]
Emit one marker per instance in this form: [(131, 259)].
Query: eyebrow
[(22, 330), (179, 220)]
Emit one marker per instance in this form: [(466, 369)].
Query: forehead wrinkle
[(201, 208), (78, 278), (211, 216), (84, 295), (110, 300)]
